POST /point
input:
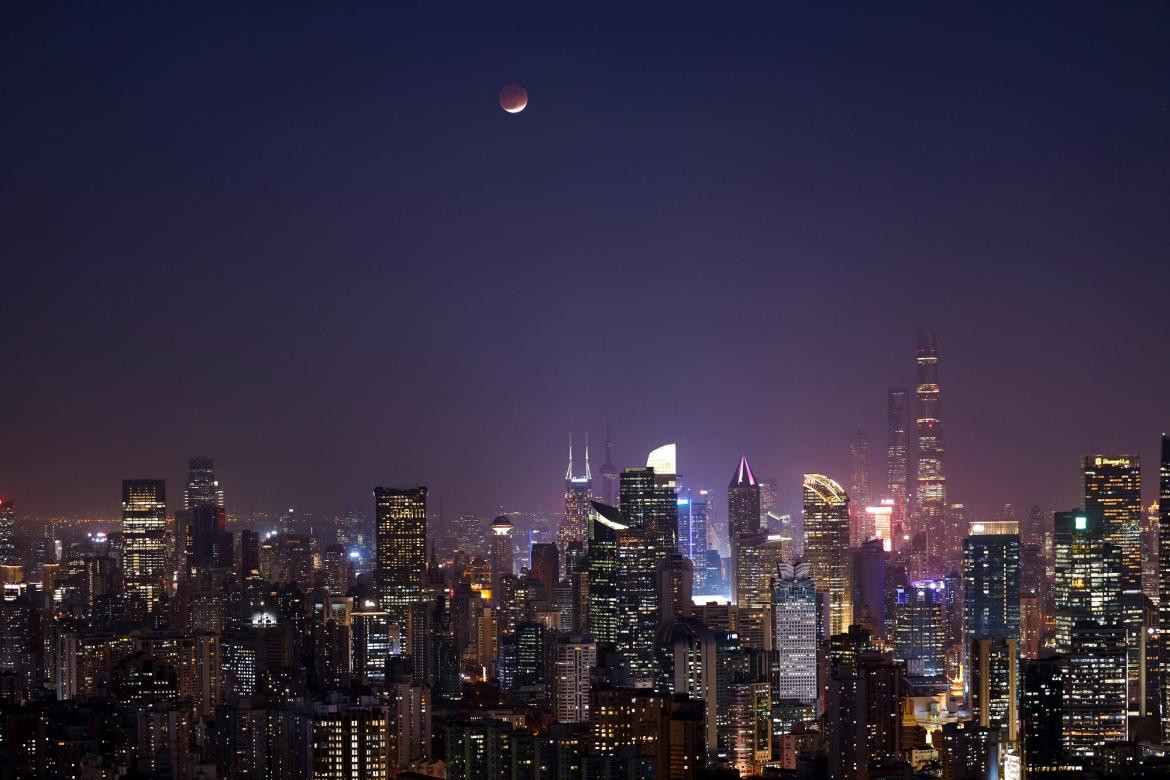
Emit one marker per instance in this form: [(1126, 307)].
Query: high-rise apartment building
[(144, 545), (795, 641), (826, 546), (401, 556), (573, 658)]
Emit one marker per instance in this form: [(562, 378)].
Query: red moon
[(513, 98)]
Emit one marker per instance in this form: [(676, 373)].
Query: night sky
[(307, 242)]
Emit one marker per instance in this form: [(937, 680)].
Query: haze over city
[(311, 245)]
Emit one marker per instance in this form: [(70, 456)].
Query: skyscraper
[(7, 532), (826, 546), (144, 546), (693, 510), (991, 582), (769, 490), (743, 511), (1113, 489), (919, 631), (795, 623), (1094, 689), (578, 494), (649, 503), (897, 450), (202, 487), (503, 554), (573, 658), (401, 557), (1087, 586), (743, 501), (931, 493), (609, 474), (602, 610), (859, 466)]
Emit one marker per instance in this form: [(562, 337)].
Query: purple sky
[(308, 243)]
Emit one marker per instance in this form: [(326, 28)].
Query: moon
[(513, 98)]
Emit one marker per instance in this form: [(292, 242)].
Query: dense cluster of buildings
[(890, 633)]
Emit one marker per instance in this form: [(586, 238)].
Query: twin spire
[(569, 470)]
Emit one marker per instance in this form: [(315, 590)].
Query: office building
[(1087, 583), (401, 555), (1113, 491), (578, 495), (919, 629), (202, 489), (144, 546), (826, 546)]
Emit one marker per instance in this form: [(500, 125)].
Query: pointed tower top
[(588, 476), (743, 475), (569, 470)]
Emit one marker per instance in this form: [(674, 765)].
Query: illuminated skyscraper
[(144, 546), (202, 488), (649, 503), (743, 501), (768, 493), (1087, 586), (401, 558), (573, 658), (931, 493), (602, 613), (578, 494), (503, 554), (897, 448), (743, 511), (693, 509), (1094, 689), (826, 546), (1113, 488), (995, 680), (7, 532), (919, 632), (991, 582)]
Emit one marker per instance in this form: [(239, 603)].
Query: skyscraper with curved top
[(826, 546), (931, 493)]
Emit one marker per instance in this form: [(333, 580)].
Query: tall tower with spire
[(578, 495), (931, 484)]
